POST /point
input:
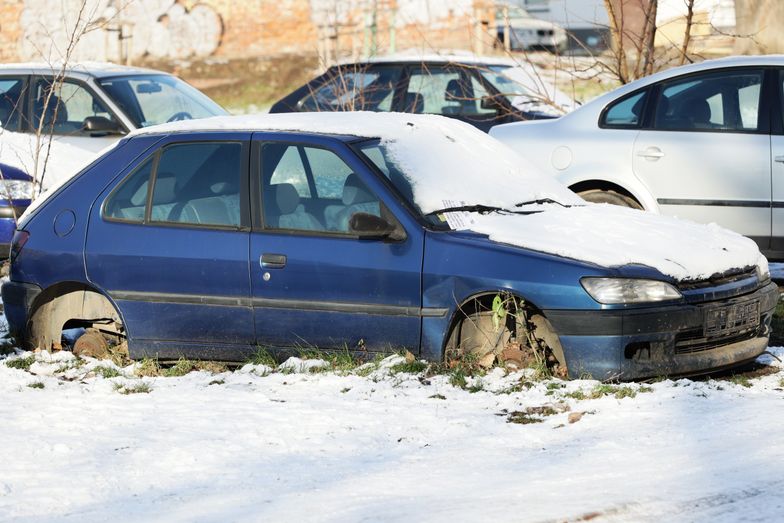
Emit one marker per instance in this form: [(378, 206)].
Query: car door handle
[(651, 153), (778, 159), (272, 261)]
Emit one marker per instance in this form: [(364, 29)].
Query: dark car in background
[(481, 91)]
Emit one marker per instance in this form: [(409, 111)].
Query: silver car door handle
[(651, 153), (272, 261), (778, 159)]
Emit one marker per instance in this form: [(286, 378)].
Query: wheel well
[(479, 302), (602, 185), (66, 305)]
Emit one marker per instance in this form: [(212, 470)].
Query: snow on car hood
[(612, 236), (452, 163)]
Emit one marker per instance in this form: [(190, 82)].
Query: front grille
[(718, 280), (694, 340)]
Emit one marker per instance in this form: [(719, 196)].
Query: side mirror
[(372, 227), (99, 125), (489, 103)]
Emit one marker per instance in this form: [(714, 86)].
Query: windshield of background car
[(526, 90), (155, 99)]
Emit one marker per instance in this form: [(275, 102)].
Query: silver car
[(93, 106), (703, 142)]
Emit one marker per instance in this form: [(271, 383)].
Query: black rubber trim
[(238, 301), (719, 203)]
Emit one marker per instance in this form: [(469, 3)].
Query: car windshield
[(527, 89), (449, 210), (158, 98)]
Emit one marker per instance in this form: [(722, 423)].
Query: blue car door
[(313, 283), (168, 241)]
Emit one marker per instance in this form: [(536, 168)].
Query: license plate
[(732, 318)]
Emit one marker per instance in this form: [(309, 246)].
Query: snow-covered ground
[(299, 445)]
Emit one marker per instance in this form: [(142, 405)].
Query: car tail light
[(20, 238)]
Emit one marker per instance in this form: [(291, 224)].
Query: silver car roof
[(81, 70)]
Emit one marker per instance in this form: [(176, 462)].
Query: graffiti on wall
[(150, 29)]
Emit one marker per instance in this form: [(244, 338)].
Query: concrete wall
[(185, 29)]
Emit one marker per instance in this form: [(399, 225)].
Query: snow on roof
[(450, 163), (86, 67), (442, 156)]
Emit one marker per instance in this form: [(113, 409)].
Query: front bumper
[(667, 340)]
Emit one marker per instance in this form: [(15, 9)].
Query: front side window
[(723, 101), (339, 192), (354, 89), (63, 107), (626, 113), (11, 96), (158, 98), (193, 183)]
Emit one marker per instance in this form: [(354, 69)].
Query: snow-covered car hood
[(611, 236)]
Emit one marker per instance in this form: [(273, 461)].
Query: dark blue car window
[(198, 183), (339, 191), (129, 201)]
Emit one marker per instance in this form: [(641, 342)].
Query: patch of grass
[(576, 394), (36, 385), (437, 397), (136, 388), (413, 367), (262, 356), (643, 389), (457, 378), (21, 363), (181, 368), (478, 386), (344, 390), (217, 382), (148, 368), (522, 418), (740, 379), (106, 372), (625, 392)]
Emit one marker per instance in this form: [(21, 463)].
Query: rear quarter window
[(626, 113)]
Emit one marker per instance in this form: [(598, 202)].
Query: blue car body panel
[(204, 292)]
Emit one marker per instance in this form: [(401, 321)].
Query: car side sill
[(239, 301)]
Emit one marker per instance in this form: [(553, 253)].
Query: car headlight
[(627, 290), (16, 190), (763, 271)]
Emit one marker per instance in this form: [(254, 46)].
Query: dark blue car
[(373, 233), (16, 188)]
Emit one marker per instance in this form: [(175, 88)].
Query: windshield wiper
[(481, 209), (540, 202)]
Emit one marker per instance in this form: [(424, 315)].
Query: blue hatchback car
[(373, 232)]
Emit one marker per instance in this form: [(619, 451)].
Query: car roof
[(81, 70), (707, 65), (445, 57)]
